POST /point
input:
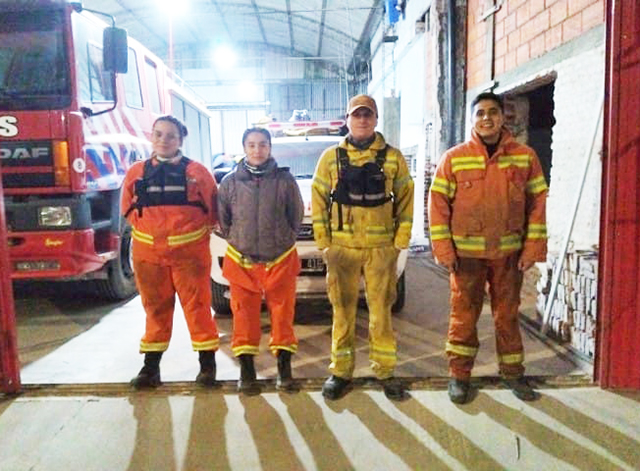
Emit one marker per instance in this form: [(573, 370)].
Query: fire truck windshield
[(33, 70)]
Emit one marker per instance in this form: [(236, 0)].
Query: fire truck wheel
[(120, 283), (220, 299), (401, 293)]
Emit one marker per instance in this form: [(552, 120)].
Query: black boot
[(395, 389), (149, 375), (521, 388), (459, 390), (207, 375), (247, 383), (335, 387), (285, 380)]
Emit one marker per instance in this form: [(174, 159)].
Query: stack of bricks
[(573, 315)]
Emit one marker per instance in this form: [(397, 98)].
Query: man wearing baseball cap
[(362, 209)]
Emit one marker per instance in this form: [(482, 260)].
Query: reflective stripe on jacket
[(483, 207), (388, 224), (170, 231)]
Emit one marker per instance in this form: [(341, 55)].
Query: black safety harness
[(164, 184), (359, 186)]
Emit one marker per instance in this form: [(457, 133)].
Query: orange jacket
[(165, 233), (481, 207)]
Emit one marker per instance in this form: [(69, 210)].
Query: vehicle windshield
[(300, 157), (33, 70)]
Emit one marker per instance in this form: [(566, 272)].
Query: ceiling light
[(225, 57)]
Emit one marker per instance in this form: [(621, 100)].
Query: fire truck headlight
[(54, 216)]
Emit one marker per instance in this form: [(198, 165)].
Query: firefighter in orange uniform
[(170, 202), (261, 211), (487, 217)]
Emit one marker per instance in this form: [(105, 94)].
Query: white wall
[(577, 96), (398, 69)]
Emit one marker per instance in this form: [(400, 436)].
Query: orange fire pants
[(249, 282), (158, 285), (467, 295)]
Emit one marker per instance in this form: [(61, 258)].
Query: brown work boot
[(520, 388), (149, 375), (459, 390), (207, 375), (285, 381), (247, 383)]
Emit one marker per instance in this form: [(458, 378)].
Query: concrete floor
[(77, 412)]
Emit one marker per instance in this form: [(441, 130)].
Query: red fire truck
[(77, 102)]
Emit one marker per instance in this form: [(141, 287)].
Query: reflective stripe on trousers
[(467, 295), (247, 285), (158, 285), (345, 266)]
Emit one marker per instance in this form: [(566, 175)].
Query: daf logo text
[(22, 153)]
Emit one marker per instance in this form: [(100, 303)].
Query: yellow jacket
[(363, 227), (481, 207)]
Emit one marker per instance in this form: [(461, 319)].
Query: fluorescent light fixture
[(173, 8), (225, 57)]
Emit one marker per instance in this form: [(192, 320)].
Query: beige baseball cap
[(362, 101)]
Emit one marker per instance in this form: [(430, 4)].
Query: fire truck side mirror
[(115, 51)]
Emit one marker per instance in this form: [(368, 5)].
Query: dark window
[(132, 89), (152, 84), (101, 82), (34, 73)]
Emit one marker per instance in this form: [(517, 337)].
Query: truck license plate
[(313, 265)]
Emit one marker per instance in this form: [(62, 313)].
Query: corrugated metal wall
[(618, 350)]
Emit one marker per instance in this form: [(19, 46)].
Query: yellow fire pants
[(345, 267)]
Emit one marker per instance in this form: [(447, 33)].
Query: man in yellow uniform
[(362, 208), (487, 217)]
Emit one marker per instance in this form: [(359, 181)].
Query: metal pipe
[(451, 70), (567, 238)]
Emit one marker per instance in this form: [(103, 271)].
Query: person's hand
[(451, 265), (524, 265)]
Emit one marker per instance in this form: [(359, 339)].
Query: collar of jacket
[(173, 160), (505, 140), (244, 174), (378, 144)]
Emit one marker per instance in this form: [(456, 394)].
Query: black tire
[(120, 283), (402, 291), (219, 302)]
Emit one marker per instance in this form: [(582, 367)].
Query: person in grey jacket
[(260, 210)]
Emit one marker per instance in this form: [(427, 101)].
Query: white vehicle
[(300, 154)]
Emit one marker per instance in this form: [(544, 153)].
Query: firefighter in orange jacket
[(487, 217), (170, 202)]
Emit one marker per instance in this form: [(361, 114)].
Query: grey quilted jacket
[(260, 215)]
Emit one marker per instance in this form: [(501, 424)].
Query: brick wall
[(524, 30)]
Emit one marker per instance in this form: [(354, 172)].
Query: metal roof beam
[(259, 20), (373, 20), (290, 25), (223, 17), (321, 26)]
